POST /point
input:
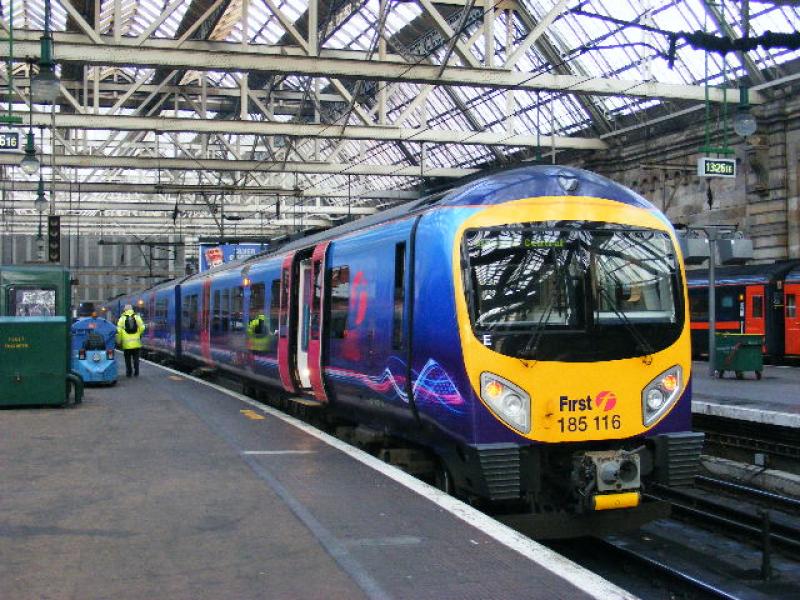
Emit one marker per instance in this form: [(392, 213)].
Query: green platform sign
[(716, 167)]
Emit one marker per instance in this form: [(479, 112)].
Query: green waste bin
[(739, 352)]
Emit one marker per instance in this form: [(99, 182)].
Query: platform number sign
[(54, 238), (716, 167), (9, 141)]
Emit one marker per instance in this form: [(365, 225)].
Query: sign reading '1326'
[(9, 141), (716, 167)]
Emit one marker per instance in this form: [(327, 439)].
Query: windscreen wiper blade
[(638, 337)]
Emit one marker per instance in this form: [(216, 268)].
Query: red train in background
[(760, 299)]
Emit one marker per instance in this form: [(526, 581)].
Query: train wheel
[(739, 375), (758, 375), (442, 478)]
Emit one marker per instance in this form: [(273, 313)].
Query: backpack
[(130, 324)]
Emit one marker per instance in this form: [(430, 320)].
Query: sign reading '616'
[(9, 141), (716, 167)]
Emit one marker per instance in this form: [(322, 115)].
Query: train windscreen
[(573, 291)]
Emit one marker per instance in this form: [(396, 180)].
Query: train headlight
[(508, 401), (660, 394)]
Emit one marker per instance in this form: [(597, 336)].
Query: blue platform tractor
[(93, 358)]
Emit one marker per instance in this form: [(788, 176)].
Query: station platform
[(168, 487), (774, 400)]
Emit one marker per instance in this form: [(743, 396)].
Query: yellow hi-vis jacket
[(130, 341), (257, 338)]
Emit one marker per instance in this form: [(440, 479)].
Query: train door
[(316, 321), (286, 358), (304, 288), (791, 293), (754, 321)]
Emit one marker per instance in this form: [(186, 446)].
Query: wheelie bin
[(739, 352)]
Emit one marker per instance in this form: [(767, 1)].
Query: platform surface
[(775, 399), (163, 487)]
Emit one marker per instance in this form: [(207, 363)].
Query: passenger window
[(225, 310), (255, 322), (698, 306), (31, 302), (215, 313), (758, 307), (274, 305), (399, 295), (189, 313), (727, 301), (237, 306), (340, 300), (791, 306)]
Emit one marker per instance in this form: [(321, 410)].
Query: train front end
[(573, 317)]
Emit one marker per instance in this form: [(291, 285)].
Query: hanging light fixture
[(46, 86), (30, 164), (744, 123), (40, 204)]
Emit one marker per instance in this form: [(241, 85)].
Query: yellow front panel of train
[(572, 401)]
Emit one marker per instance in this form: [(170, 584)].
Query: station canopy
[(260, 117)]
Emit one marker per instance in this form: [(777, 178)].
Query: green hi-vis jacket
[(130, 341)]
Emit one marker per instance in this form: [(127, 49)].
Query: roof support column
[(488, 34), (313, 29)]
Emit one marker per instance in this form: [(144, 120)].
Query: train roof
[(761, 273), (794, 275)]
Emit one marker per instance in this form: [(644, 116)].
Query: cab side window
[(340, 300)]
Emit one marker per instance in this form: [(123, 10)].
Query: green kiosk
[(35, 337)]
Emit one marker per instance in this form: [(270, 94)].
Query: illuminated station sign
[(716, 167)]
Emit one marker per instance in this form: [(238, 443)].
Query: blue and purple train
[(528, 330)]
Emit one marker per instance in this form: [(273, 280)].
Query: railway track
[(673, 576), (763, 525)]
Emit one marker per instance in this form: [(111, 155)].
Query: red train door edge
[(284, 332), (755, 307), (315, 362)]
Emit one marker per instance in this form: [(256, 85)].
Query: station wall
[(764, 198)]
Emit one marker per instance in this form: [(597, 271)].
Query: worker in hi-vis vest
[(130, 328)]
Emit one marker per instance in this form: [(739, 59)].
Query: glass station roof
[(625, 40)]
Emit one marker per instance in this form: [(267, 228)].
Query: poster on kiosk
[(212, 255)]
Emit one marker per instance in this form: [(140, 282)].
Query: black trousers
[(132, 354)]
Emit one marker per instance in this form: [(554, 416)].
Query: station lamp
[(29, 164), (744, 123), (46, 85), (40, 204)]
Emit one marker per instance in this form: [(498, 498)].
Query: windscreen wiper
[(638, 337)]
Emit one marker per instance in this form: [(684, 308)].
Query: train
[(528, 331), (758, 299)]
